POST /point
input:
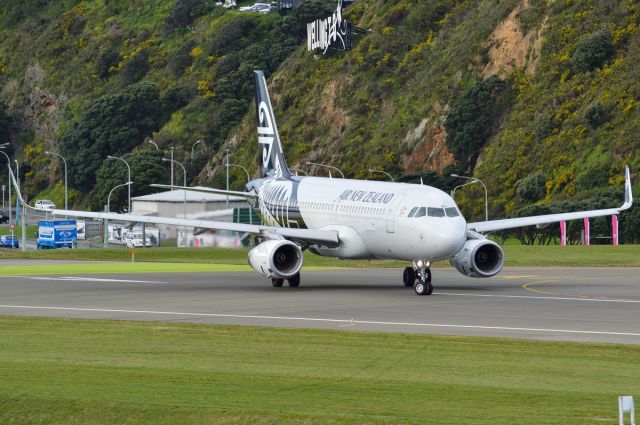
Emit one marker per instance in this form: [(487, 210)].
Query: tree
[(112, 125), (471, 119), (183, 14), (295, 24), (136, 67), (5, 124), (530, 235), (630, 224), (146, 168), (106, 60), (592, 51), (532, 188)]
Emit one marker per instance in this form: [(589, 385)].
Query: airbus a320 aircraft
[(353, 219)]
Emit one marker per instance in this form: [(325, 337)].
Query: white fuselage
[(373, 219)]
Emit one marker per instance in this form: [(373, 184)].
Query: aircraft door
[(391, 213)]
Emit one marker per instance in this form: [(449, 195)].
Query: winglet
[(628, 195)]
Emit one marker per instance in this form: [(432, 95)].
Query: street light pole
[(171, 167), (193, 146), (106, 221), (184, 182), (299, 170), (129, 175), (9, 168), (486, 195), (373, 170), (327, 166), (453, 192), (66, 199), (154, 144), (243, 169)]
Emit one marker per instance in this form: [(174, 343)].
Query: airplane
[(352, 219)]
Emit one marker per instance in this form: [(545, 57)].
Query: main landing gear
[(293, 281), (422, 272)]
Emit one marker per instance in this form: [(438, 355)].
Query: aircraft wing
[(510, 223), (246, 195), (315, 236)]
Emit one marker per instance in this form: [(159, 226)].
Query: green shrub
[(532, 188), (183, 14), (469, 122), (136, 67), (592, 51), (105, 61), (595, 114), (545, 123), (232, 36), (5, 123), (181, 58)]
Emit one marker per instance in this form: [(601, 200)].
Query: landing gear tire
[(423, 288), (277, 283), (294, 281), (409, 277)]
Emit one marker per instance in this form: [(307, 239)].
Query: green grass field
[(516, 255), (58, 371)]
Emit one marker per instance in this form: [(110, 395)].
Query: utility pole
[(172, 167)]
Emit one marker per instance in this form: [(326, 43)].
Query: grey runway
[(573, 304)]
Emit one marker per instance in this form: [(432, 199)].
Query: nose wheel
[(422, 271)]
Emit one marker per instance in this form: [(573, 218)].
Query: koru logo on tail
[(266, 137)]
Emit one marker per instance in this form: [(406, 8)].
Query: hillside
[(537, 98), (95, 78)]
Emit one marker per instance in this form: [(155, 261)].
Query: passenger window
[(413, 211), (452, 212), (435, 212), (422, 211)]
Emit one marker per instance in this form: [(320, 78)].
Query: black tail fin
[(273, 163)]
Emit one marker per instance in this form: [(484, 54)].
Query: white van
[(134, 239)]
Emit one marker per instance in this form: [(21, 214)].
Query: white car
[(45, 204)]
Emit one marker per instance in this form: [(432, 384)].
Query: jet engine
[(479, 258), (278, 259)]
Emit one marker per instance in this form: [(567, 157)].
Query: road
[(573, 304)]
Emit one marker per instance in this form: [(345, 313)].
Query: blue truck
[(57, 234)]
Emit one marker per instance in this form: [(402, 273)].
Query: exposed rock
[(510, 49), (430, 153), (424, 146), (43, 113)]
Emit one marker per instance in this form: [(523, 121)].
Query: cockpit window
[(452, 212), (435, 212), (413, 211), (422, 211)]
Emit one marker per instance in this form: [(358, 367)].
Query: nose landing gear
[(422, 271)]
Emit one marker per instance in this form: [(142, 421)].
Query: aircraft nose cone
[(449, 238)]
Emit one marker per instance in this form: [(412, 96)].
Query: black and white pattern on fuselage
[(279, 204)]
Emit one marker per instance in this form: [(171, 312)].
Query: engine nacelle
[(479, 258), (278, 259)]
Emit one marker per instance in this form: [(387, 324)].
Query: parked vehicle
[(45, 204), (57, 234), (3, 217), (9, 241)]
